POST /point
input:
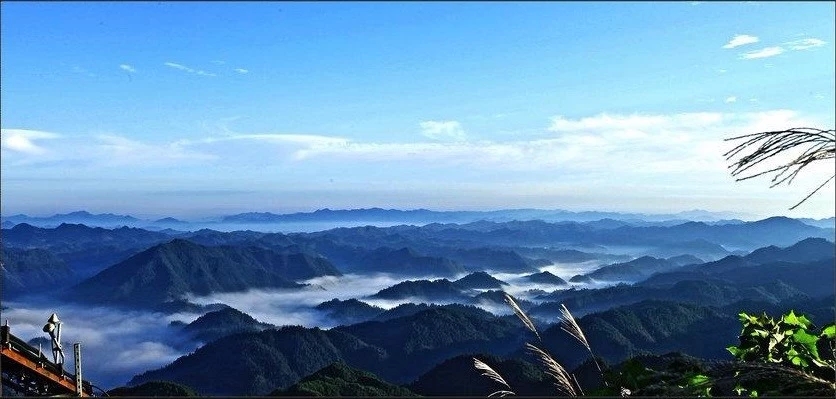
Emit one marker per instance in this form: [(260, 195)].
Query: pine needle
[(519, 312), (487, 371), (562, 379)]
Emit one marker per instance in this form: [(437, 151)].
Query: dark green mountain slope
[(545, 278), (258, 363), (167, 271), (154, 388), (416, 343), (223, 322), (457, 377), (633, 270), (407, 262), (28, 270), (339, 379), (350, 311), (479, 280), (435, 290), (807, 250), (649, 326)]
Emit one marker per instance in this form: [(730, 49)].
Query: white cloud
[(127, 68), (117, 150), (187, 69), (731, 99), (763, 53), (178, 66), (443, 130), (241, 70), (805, 44), (631, 122), (219, 62), (23, 141), (741, 40)]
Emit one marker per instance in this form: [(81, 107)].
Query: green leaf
[(698, 380), (791, 319), (808, 341), (735, 351), (829, 331)]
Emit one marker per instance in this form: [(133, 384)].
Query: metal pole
[(77, 355)]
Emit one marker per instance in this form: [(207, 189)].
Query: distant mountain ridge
[(422, 216)]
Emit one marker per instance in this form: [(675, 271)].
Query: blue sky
[(191, 109)]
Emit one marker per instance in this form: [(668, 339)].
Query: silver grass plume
[(492, 374), (571, 326), (528, 323), (554, 369)]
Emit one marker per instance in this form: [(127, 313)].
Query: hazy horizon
[(691, 214)]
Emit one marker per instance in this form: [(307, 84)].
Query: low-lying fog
[(116, 345)]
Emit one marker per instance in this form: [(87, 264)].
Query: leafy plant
[(789, 341)]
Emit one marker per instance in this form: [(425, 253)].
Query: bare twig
[(820, 145)]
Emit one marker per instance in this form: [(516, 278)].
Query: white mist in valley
[(115, 345)]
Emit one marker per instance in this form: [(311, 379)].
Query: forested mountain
[(479, 280), (545, 278), (457, 377), (349, 311), (649, 326), (634, 270), (398, 350), (26, 270), (259, 363), (168, 271), (340, 379), (423, 290), (222, 322), (406, 262)]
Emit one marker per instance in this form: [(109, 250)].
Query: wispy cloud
[(763, 53), (805, 44), (443, 130), (178, 66), (24, 141), (731, 99), (187, 69), (741, 40), (241, 70), (219, 62), (118, 150), (127, 68), (80, 70)]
